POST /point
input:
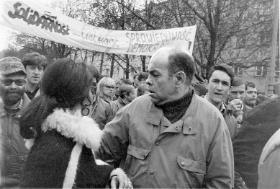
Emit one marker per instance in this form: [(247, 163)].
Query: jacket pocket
[(135, 162), (192, 171), (136, 152)]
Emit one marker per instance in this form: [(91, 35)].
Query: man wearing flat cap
[(14, 152)]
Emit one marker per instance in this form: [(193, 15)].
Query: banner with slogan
[(28, 17)]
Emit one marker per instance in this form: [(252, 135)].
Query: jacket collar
[(155, 117), (23, 104), (72, 124)]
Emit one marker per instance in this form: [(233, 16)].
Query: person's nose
[(238, 96), (148, 81), (219, 86), (13, 85), (37, 71)]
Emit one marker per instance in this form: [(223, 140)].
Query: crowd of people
[(63, 125)]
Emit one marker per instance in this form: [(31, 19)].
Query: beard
[(11, 97)]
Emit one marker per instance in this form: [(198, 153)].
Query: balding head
[(170, 74), (176, 59)]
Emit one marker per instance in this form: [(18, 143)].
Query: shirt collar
[(222, 107)]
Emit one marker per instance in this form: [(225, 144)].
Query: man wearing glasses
[(14, 100)]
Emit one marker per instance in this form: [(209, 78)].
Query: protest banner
[(28, 17)]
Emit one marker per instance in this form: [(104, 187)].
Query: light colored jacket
[(269, 169), (194, 152)]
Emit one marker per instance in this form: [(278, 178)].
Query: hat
[(10, 65)]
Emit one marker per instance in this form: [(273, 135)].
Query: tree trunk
[(112, 65), (211, 57), (101, 63), (143, 60), (75, 55), (92, 57), (86, 56), (127, 67)]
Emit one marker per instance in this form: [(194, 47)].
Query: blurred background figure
[(140, 83), (119, 83), (106, 89), (140, 78), (127, 93), (250, 98), (261, 97), (14, 101), (237, 90), (93, 105), (142, 89), (236, 97), (34, 64), (199, 85)]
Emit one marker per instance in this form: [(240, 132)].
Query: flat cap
[(10, 65)]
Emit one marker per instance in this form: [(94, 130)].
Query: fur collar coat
[(62, 157)]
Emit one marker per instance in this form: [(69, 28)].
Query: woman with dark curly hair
[(62, 155)]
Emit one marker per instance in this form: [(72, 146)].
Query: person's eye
[(225, 83), (32, 67), (215, 81), (40, 68)]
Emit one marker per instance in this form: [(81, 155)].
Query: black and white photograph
[(123, 94)]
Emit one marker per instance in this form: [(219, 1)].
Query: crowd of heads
[(168, 71), (72, 85)]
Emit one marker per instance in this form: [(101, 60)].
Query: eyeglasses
[(110, 87), (18, 82)]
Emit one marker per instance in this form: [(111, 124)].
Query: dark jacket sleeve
[(47, 162), (91, 175)]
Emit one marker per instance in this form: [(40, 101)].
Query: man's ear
[(181, 78)]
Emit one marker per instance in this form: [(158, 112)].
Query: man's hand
[(236, 105), (120, 180)]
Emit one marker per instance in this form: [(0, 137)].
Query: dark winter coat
[(258, 127), (62, 157)]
